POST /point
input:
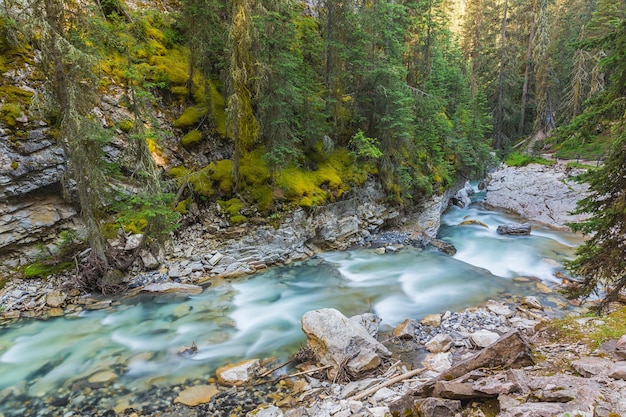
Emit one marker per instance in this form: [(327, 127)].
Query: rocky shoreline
[(210, 251), (501, 358)]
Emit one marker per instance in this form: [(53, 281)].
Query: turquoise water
[(259, 316)]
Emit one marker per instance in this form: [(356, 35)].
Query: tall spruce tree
[(601, 260)]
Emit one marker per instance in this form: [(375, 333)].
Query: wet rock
[(337, 340), (469, 222), (532, 302), (238, 373), (440, 343), (405, 330), (102, 378), (514, 229), (370, 321), (172, 288), (198, 394)]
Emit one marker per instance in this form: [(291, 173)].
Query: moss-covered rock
[(191, 138), (190, 117), (222, 174)]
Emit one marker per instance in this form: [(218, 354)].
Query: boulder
[(499, 308), (511, 351), (440, 343), (238, 373), (590, 366), (438, 407), (484, 338), (341, 342), (433, 320), (55, 298), (455, 390), (514, 229), (438, 362), (370, 321), (405, 330)]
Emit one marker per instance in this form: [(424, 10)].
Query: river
[(259, 316)]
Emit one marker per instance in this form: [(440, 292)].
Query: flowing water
[(259, 316)]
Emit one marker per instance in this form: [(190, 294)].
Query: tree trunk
[(498, 134), (529, 64)]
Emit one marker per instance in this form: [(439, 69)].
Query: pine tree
[(241, 123), (601, 260)]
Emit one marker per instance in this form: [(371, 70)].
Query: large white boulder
[(341, 342)]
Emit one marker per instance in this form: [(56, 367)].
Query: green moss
[(253, 169), (172, 65), (178, 172), (238, 219), (190, 117), (232, 206), (182, 206), (191, 138), (14, 165), (126, 125), (9, 112), (219, 107), (263, 196), (222, 174), (301, 187), (110, 230), (13, 94), (180, 91), (41, 269), (202, 183)]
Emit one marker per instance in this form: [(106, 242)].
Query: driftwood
[(280, 378), (514, 229)]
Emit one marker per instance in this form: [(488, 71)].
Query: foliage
[(41, 269), (601, 260), (137, 214)]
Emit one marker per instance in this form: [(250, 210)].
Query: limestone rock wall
[(545, 194)]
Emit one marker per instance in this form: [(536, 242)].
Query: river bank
[(102, 395)]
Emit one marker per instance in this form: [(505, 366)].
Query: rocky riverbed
[(502, 358), (209, 250)]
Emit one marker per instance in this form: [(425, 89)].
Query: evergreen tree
[(601, 260), (241, 123)]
